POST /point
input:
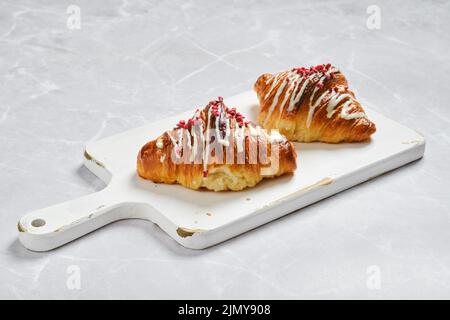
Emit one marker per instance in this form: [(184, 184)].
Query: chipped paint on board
[(413, 142), (321, 183), (90, 158), (20, 227), (187, 232)]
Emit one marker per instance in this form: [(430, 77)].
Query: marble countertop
[(76, 71)]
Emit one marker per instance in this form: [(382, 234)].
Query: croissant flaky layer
[(238, 156), (312, 104)]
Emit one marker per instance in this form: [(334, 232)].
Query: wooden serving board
[(199, 219)]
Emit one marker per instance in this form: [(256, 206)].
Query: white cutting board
[(199, 219)]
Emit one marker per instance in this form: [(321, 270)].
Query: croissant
[(312, 104), (218, 150)]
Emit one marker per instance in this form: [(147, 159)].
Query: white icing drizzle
[(206, 144), (294, 81), (226, 140), (218, 137), (180, 142), (277, 96), (349, 116), (274, 83), (313, 107), (197, 124), (294, 101), (239, 135), (187, 144), (311, 97), (194, 147), (177, 143), (335, 99)]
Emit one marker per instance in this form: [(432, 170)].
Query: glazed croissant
[(218, 150), (312, 104)]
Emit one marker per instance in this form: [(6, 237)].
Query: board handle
[(51, 227)]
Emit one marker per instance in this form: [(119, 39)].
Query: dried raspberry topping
[(320, 68), (217, 106), (181, 124), (317, 72), (186, 125)]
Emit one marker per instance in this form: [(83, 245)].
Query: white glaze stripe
[(276, 97), (313, 107), (349, 116), (334, 102), (297, 98)]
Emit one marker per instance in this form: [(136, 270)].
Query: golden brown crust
[(286, 107), (157, 161)]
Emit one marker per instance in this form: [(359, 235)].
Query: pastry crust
[(164, 161), (312, 104)]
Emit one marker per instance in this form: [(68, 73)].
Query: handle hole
[(37, 223)]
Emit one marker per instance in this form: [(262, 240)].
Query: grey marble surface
[(132, 62)]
